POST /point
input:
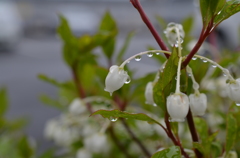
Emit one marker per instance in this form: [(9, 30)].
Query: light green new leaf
[(121, 114), (172, 152), (64, 30), (166, 83), (3, 102), (231, 132)]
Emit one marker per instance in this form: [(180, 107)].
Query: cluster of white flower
[(73, 126), (178, 104)]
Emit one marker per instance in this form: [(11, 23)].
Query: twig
[(117, 142), (193, 133), (132, 135), (145, 19)]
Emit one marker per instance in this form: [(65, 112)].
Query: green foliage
[(115, 114), (166, 82), (231, 132), (3, 102), (173, 152)]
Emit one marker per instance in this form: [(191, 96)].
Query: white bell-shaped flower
[(198, 103), (171, 33), (115, 79), (83, 153), (149, 93), (177, 106), (233, 90), (97, 143), (77, 106)]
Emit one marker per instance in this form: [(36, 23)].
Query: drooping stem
[(195, 84), (145, 19), (225, 71), (135, 139), (193, 132), (117, 142), (178, 75), (142, 53)]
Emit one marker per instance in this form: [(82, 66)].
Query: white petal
[(149, 93), (77, 106), (177, 107), (198, 104), (115, 79), (233, 90)]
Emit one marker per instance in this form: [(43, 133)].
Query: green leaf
[(172, 152), (64, 30), (120, 114), (229, 8), (188, 25), (3, 101), (231, 132), (198, 146), (24, 148), (51, 102), (107, 33), (166, 83), (48, 154), (209, 9), (125, 46)]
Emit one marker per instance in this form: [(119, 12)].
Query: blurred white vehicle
[(10, 25)]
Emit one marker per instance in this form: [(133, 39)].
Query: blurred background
[(29, 45)]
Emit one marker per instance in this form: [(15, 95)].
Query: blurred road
[(19, 69)]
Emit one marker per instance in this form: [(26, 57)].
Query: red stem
[(145, 19), (193, 132)]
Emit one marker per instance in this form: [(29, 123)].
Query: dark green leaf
[(231, 132), (3, 102), (229, 8), (120, 114), (198, 146), (125, 46), (209, 9), (166, 83), (172, 152)]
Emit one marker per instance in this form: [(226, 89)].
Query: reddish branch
[(145, 19)]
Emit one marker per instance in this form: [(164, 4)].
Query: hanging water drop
[(194, 58), (157, 53), (128, 80), (128, 61), (176, 78), (138, 58), (214, 66), (149, 55), (204, 60), (224, 75), (155, 104), (189, 74), (238, 104), (113, 119)]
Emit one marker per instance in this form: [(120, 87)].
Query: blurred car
[(11, 25)]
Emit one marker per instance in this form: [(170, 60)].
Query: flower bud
[(171, 33), (233, 90), (149, 93), (115, 79), (177, 106), (77, 106), (198, 103)]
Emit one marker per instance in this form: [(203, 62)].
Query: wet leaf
[(172, 152), (231, 132)]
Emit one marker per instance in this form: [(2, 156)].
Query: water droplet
[(128, 61), (154, 104), (157, 53), (176, 78), (189, 74), (204, 60), (238, 104), (224, 75), (138, 58), (214, 66), (165, 32), (128, 80), (113, 119), (149, 55), (194, 58), (219, 12)]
